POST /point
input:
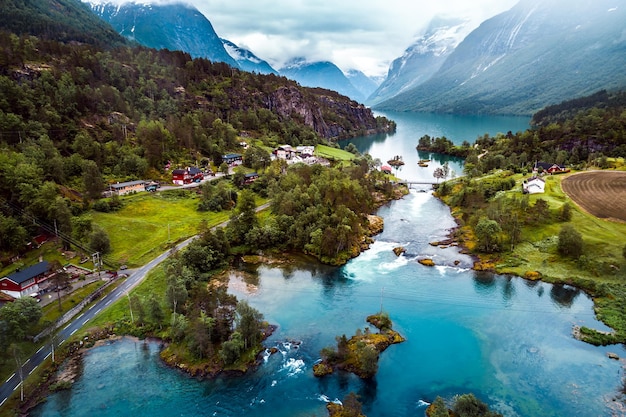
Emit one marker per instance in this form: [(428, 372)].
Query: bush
[(570, 242)]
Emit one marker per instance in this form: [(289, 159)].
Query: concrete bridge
[(411, 183)]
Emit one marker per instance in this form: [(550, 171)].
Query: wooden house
[(25, 282)]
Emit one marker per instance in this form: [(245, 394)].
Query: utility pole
[(130, 306)]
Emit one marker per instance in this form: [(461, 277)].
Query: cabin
[(550, 168), (123, 188), (534, 185), (25, 282), (250, 177), (232, 159)]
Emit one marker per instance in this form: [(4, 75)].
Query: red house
[(25, 282), (181, 176)]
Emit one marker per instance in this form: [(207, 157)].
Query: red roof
[(385, 168)]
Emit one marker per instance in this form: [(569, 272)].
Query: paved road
[(31, 364)]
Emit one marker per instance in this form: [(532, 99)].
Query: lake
[(507, 340)]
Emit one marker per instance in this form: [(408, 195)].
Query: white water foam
[(293, 367), (422, 403), (326, 399)]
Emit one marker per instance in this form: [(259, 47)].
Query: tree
[(19, 316), (487, 231), (243, 219), (60, 278), (176, 293), (624, 252), (248, 324), (155, 310), (565, 214), (92, 180), (570, 242), (231, 349), (439, 173), (99, 241)]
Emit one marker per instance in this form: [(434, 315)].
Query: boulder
[(426, 262), (399, 250)]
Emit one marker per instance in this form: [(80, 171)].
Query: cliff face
[(329, 114)]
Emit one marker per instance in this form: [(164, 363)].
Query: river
[(507, 340)]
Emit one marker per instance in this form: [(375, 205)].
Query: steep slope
[(536, 54), (62, 20), (322, 74), (364, 84), (423, 58), (246, 60), (173, 26)]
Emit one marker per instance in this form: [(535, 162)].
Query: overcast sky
[(362, 34)]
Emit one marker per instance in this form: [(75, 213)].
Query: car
[(123, 267)]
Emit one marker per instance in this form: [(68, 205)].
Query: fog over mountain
[(536, 54)]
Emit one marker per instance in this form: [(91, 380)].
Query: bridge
[(410, 183)]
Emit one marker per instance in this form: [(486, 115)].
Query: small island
[(359, 355)]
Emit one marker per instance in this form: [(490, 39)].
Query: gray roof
[(30, 272), (127, 184)]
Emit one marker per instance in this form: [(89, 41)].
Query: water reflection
[(484, 282), (563, 295)]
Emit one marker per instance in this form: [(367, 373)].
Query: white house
[(534, 185)]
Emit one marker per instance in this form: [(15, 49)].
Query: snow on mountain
[(246, 60), (423, 58)]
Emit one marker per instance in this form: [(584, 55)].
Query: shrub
[(570, 242)]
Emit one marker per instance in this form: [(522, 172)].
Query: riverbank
[(600, 271)]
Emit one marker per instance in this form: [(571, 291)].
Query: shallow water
[(505, 339)]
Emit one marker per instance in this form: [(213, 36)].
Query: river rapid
[(507, 340)]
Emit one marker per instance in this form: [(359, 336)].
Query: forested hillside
[(61, 20), (74, 117)]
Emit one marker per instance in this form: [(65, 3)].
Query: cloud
[(361, 34)]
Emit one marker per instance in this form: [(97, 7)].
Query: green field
[(603, 242), (150, 223), (335, 154)]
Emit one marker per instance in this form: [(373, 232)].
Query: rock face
[(308, 104)]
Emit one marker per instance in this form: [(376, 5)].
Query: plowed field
[(600, 193)]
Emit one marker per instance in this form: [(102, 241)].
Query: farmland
[(599, 193)]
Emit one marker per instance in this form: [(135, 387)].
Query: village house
[(123, 188), (305, 151), (187, 175), (232, 159), (534, 185), (250, 177), (25, 282), (550, 168), (285, 152)]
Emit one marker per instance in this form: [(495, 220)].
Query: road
[(31, 364)]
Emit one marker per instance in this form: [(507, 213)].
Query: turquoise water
[(505, 339), (412, 126)]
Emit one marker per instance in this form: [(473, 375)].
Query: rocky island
[(360, 353)]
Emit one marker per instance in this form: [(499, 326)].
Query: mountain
[(423, 58), (536, 54), (246, 60), (322, 74), (364, 84), (175, 26), (61, 20)]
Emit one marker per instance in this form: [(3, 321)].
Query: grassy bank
[(600, 271), (150, 223)]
